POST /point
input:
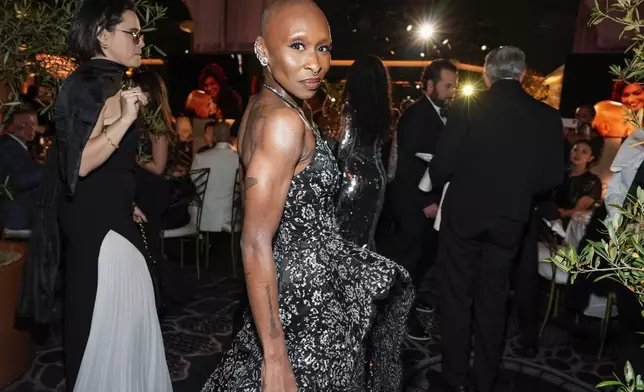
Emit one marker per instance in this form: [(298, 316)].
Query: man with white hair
[(499, 150)]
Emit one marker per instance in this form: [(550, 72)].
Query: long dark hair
[(368, 93), (152, 83)]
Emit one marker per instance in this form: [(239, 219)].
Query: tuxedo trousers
[(526, 284), (475, 284)]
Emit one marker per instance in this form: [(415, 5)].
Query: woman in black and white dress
[(112, 337)]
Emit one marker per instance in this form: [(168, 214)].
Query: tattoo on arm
[(274, 332), (250, 182)]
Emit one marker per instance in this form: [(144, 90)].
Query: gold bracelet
[(109, 141)]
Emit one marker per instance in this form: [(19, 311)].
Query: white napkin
[(437, 222), (425, 183), (556, 228)]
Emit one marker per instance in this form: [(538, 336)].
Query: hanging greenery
[(626, 13), (33, 43)]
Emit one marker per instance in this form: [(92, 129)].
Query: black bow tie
[(443, 113)]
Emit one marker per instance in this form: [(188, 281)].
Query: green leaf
[(161, 52), (609, 383), (628, 372)]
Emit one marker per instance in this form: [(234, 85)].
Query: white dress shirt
[(223, 162), (437, 222)]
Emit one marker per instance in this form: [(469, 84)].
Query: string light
[(410, 27), (468, 90), (426, 31)]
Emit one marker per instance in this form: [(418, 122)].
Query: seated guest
[(628, 176), (585, 116), (209, 136), (223, 162), (18, 170), (581, 189)]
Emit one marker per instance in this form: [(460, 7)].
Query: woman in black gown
[(365, 129), (325, 314), (112, 337)]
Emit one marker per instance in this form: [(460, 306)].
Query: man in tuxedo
[(413, 211), (498, 151), (18, 169)]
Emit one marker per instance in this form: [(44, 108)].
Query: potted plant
[(17, 348)]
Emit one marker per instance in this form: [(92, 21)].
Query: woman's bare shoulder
[(271, 126)]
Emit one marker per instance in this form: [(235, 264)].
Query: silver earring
[(262, 60)]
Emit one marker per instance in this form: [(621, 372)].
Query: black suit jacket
[(16, 163), (419, 129), (498, 151)]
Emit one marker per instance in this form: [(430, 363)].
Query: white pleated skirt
[(124, 352)]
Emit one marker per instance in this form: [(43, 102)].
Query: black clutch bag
[(155, 275)]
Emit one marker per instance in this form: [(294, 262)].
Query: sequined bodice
[(309, 209)]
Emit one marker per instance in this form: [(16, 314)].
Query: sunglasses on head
[(136, 35)]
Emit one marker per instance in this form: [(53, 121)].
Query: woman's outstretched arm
[(277, 149)]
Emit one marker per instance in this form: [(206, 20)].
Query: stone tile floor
[(196, 333)]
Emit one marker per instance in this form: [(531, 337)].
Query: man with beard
[(413, 211)]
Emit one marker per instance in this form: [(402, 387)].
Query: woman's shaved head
[(296, 44), (276, 6)]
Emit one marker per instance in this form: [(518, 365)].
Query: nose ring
[(315, 73)]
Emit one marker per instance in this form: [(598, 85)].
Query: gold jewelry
[(109, 141)]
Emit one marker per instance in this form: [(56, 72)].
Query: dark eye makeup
[(298, 45)]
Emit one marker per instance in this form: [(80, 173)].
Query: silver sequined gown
[(364, 179), (343, 308)]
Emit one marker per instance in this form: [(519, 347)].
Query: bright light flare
[(426, 31), (468, 90), (409, 27)]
